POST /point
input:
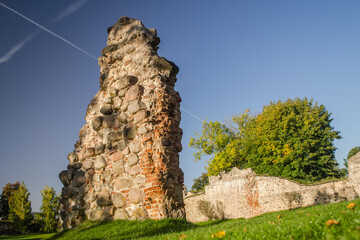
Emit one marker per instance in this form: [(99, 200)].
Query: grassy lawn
[(302, 223), (30, 236)]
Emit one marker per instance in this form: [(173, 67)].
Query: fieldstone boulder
[(104, 198), (118, 200), (132, 159), (79, 178), (135, 195), (121, 214)]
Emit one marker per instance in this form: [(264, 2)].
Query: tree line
[(292, 139), (15, 207)]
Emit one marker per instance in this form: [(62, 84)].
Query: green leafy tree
[(49, 210), (292, 139), (351, 153), (225, 142), (8, 191), (200, 183), (20, 209)]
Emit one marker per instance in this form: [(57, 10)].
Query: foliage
[(292, 139), (300, 223), (8, 191), (200, 183), (225, 143), (20, 209), (351, 153), (49, 210)]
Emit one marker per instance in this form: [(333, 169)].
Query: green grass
[(30, 236), (301, 223)]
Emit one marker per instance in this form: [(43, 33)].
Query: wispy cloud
[(72, 8), (17, 47)]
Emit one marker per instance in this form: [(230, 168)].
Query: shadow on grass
[(122, 229)]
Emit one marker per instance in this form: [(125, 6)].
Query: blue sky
[(232, 55)]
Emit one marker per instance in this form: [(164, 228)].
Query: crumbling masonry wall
[(125, 164), (243, 194)]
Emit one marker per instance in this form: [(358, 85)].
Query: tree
[(200, 183), (351, 153), (20, 209), (292, 139), (49, 210), (225, 142), (8, 191)]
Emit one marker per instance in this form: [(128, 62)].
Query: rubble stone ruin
[(125, 164)]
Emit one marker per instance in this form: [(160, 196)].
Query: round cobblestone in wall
[(135, 195), (132, 159), (118, 200), (121, 214)]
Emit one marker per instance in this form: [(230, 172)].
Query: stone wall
[(243, 194), (125, 164)]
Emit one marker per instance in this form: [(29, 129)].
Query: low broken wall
[(243, 194)]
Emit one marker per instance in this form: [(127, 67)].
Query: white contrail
[(17, 47), (71, 9), (190, 113), (66, 12)]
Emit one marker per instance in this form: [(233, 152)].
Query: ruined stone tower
[(125, 164)]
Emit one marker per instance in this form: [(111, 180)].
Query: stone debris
[(128, 149)]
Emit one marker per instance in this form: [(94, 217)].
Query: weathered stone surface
[(122, 117), (108, 176), (108, 122), (135, 195), (117, 102), (121, 214), (116, 156), (87, 164), (79, 178), (134, 170), (72, 157), (106, 109), (115, 136), (140, 214), (129, 132), (140, 180), (133, 93), (118, 167), (135, 146), (122, 92), (99, 148), (99, 162), (134, 106), (141, 115), (126, 81), (97, 123), (123, 183), (85, 153), (118, 200), (166, 142), (104, 198), (132, 159), (243, 194), (65, 177), (113, 92), (120, 148), (67, 192), (96, 215)]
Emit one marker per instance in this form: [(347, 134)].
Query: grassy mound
[(332, 221)]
